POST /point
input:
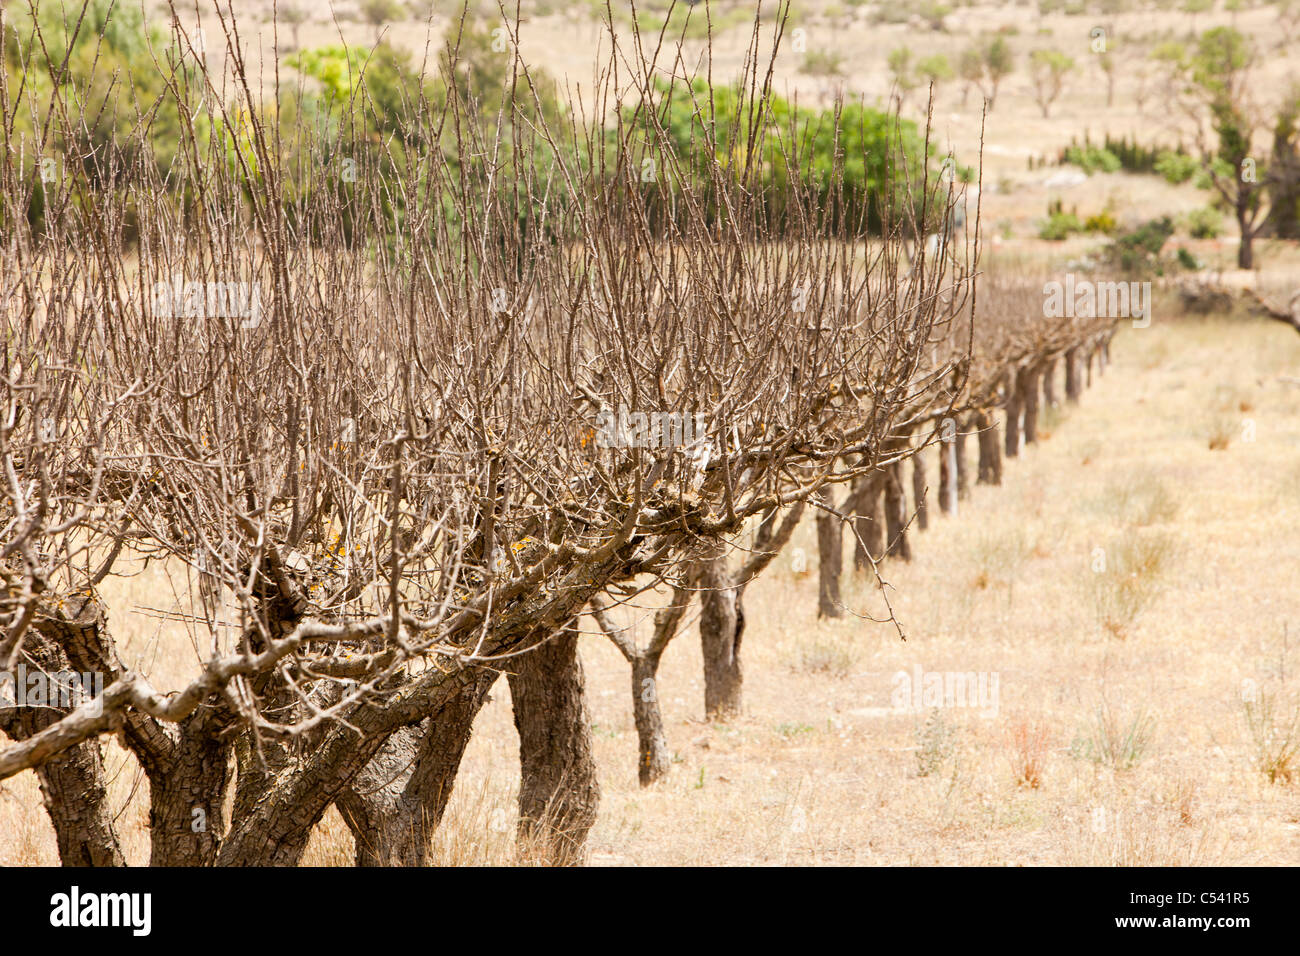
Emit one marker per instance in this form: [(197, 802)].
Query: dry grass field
[(1130, 594), (1120, 729)]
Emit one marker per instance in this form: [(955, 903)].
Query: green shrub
[(1176, 167), (857, 162), (1204, 223), (1092, 159), (1138, 250)]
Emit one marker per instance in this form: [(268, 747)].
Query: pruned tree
[(346, 394)]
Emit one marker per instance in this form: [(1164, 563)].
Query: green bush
[(1176, 167), (1092, 159), (856, 162), (1138, 250), (1060, 224), (1204, 223)]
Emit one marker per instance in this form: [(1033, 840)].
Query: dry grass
[(821, 768), (1153, 467)]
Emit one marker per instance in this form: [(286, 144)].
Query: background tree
[(380, 13), (998, 62), (970, 67), (1193, 9), (935, 69), (900, 70), (1227, 125), (295, 16), (1108, 63), (1048, 69)]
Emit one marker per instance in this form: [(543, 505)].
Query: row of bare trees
[(354, 421), (1014, 357)]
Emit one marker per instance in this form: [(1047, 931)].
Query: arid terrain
[(1127, 601)]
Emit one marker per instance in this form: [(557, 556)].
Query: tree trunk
[(1092, 354), (722, 624), (73, 787), (1030, 393), (868, 521), (1015, 408), (1072, 387), (653, 758), (896, 514), (1245, 251), (948, 477), (394, 806), (558, 792), (919, 490), (830, 556), (187, 792), (990, 460), (1049, 385), (959, 455)]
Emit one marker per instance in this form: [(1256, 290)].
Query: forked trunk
[(187, 793), (395, 804), (558, 792)]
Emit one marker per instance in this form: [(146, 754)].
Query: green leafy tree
[(379, 13), (1218, 71), (1048, 69), (294, 16), (998, 61), (970, 67), (935, 69), (900, 69)]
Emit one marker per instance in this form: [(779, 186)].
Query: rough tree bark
[(722, 625), (990, 457), (73, 787), (395, 804), (898, 545), (187, 790), (830, 555), (558, 791)]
